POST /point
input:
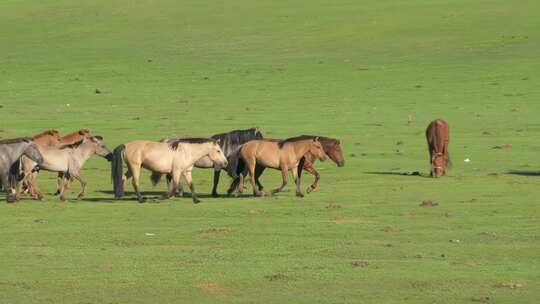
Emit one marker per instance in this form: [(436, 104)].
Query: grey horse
[(11, 151), (68, 160)]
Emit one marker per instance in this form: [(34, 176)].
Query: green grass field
[(347, 69)]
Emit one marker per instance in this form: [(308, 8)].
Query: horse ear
[(218, 141), (99, 137), (316, 138), (338, 142)]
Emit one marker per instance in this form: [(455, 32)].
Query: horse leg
[(251, 171), (81, 181), (313, 172), (258, 172), (216, 182), (10, 198), (284, 175), (189, 180), (173, 181), (59, 182), (30, 178), (136, 174), (63, 189), (297, 182), (233, 186)]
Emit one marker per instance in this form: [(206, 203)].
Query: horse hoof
[(299, 194), (63, 199), (214, 194), (196, 200), (310, 189)]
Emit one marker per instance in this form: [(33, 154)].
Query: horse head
[(99, 147), (216, 155), (438, 164), (317, 149), (333, 150)]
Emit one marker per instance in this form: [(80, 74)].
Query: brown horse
[(282, 155), (332, 148), (49, 138), (438, 136)]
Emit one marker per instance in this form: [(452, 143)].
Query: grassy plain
[(347, 69)]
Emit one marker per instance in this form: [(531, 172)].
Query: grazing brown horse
[(282, 155), (332, 148), (438, 136)]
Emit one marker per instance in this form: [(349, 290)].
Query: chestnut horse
[(438, 136), (176, 158), (332, 148), (281, 155)]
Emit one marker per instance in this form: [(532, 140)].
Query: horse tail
[(241, 167), (301, 166), (14, 175), (155, 178), (117, 171)]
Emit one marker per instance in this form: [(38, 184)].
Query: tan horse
[(176, 158), (282, 155), (68, 160)]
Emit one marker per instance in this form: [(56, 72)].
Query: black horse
[(230, 143)]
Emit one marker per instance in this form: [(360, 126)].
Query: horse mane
[(51, 132), (190, 140), (238, 137), (72, 146), (15, 140), (78, 132), (281, 143)]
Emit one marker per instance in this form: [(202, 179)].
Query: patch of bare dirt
[(391, 229), (277, 276), (214, 231), (429, 204), (360, 263), (480, 299), (105, 266), (256, 211), (211, 288), (333, 205)]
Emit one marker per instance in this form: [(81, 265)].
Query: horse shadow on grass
[(397, 173), (523, 173)]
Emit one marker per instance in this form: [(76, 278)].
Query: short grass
[(347, 69)]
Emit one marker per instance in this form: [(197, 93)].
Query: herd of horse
[(240, 153)]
